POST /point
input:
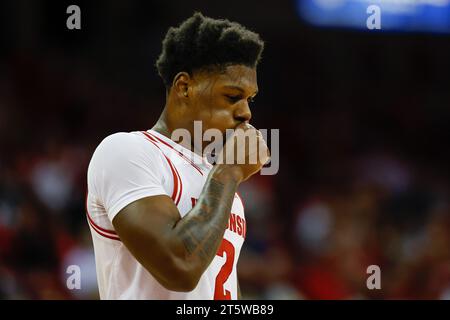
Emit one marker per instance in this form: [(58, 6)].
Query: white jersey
[(126, 167)]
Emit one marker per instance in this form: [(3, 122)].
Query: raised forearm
[(200, 232)]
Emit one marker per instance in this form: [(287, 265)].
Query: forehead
[(237, 76)]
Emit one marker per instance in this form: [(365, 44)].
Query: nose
[(242, 112)]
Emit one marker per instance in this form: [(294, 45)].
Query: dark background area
[(364, 131)]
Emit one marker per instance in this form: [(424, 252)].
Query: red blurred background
[(363, 119)]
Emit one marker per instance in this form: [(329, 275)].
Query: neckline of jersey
[(199, 160)]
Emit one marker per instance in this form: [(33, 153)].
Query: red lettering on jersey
[(239, 225), (236, 224), (233, 222)]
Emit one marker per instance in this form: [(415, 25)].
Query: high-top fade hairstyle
[(202, 43)]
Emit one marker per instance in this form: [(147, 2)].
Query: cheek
[(221, 119), (217, 116)]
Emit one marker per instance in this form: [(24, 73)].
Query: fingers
[(261, 146), (245, 126), (245, 147)]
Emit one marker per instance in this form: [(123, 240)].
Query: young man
[(164, 226)]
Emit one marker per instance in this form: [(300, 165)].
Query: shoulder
[(122, 140), (124, 150), (124, 168), (126, 144)]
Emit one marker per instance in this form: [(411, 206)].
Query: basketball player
[(164, 226)]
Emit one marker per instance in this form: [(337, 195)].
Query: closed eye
[(233, 99)]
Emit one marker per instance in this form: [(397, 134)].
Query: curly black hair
[(202, 43)]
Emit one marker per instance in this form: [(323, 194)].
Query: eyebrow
[(239, 89)]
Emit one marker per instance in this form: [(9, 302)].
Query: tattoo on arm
[(201, 230)]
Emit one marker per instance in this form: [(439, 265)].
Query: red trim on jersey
[(98, 227), (110, 234), (176, 176), (181, 186), (176, 179), (147, 134), (92, 221), (151, 139), (103, 234), (178, 152)]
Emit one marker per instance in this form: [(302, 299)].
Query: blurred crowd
[(386, 215), (363, 178), (305, 240)]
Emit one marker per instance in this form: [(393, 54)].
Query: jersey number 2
[(226, 247), (219, 291)]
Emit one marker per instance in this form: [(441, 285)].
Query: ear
[(181, 84)]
